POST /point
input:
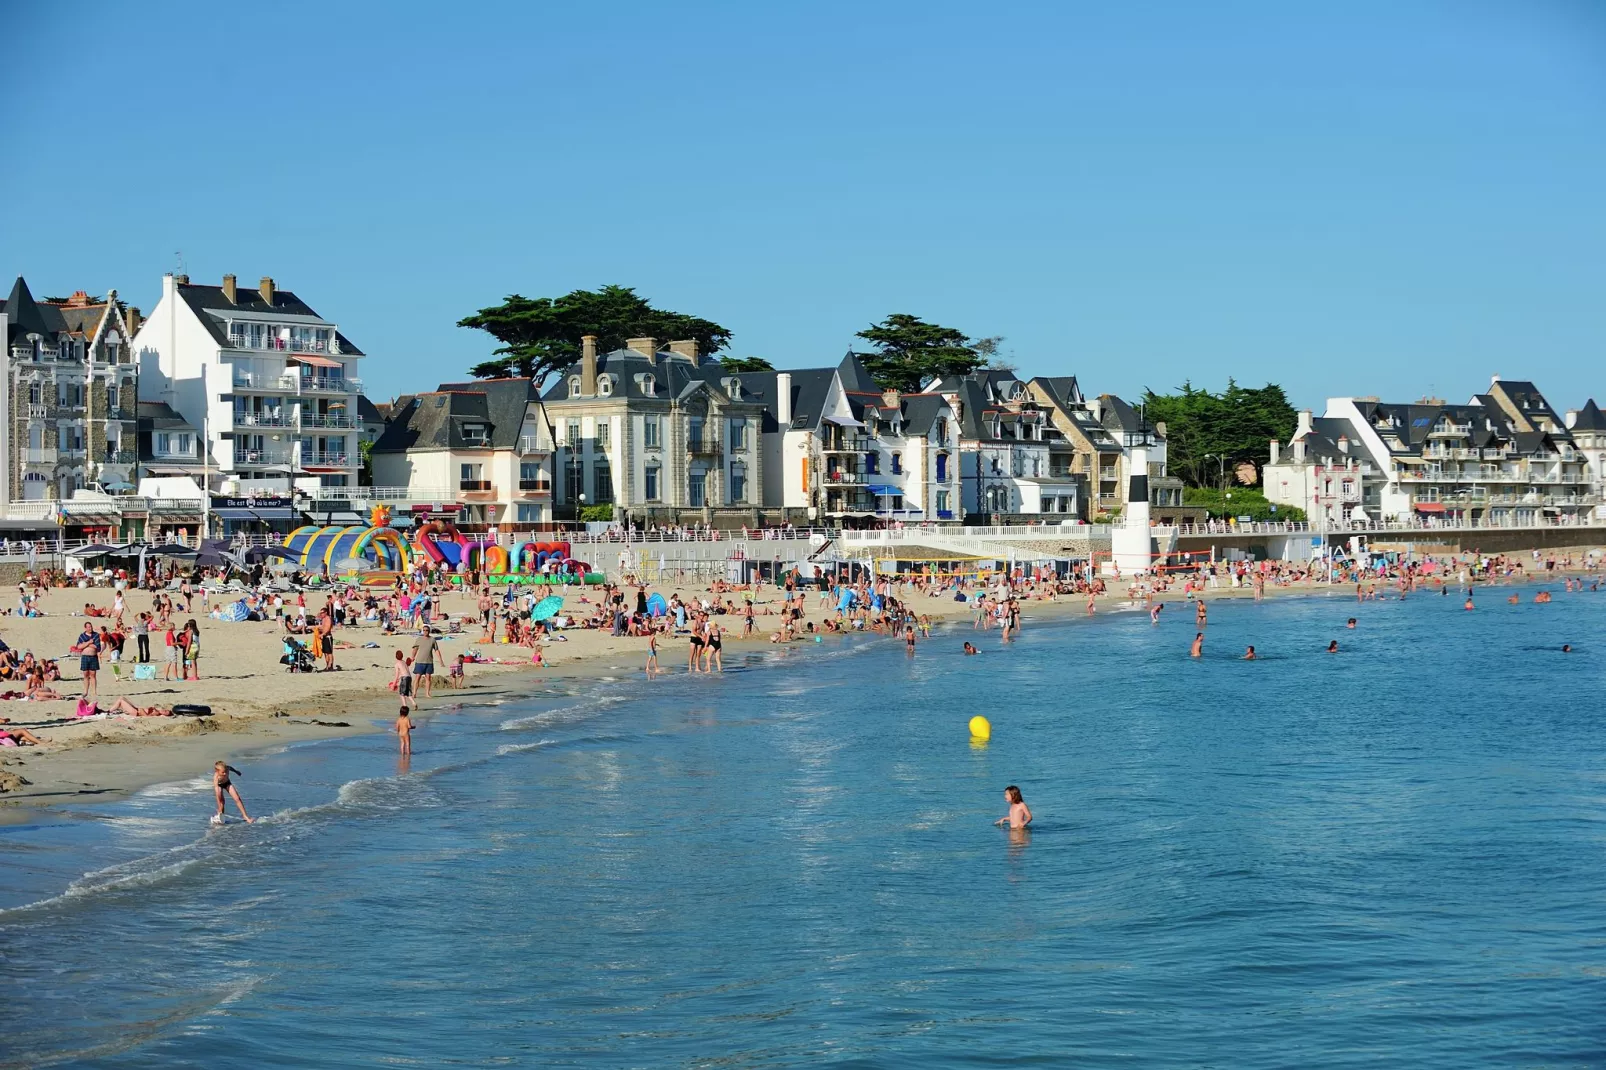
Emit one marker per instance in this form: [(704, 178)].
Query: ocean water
[(1393, 856)]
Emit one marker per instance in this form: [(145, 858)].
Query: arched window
[(604, 386), (574, 386)]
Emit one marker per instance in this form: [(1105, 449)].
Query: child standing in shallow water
[(220, 784), (404, 731), (1020, 815)]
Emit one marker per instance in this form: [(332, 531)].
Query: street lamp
[(581, 498)]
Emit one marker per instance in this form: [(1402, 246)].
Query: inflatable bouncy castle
[(532, 562), (376, 552)]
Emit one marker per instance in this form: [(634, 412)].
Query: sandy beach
[(258, 705)]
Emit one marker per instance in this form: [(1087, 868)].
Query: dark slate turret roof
[(25, 316), (435, 421), (1590, 418)]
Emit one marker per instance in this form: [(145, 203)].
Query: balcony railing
[(474, 486), (36, 411), (260, 381), (535, 486), (330, 420), (849, 444), (530, 444), (283, 345), (707, 442), (262, 419), (318, 384), (263, 456), (326, 459), (41, 455), (119, 457), (840, 478)]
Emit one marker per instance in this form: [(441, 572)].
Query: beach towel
[(145, 672)]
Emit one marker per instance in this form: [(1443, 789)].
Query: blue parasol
[(547, 607)]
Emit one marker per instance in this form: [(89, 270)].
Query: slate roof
[(368, 412), (673, 376), (1063, 390), (25, 316), (920, 412), (436, 420), (1590, 418), (154, 415), (810, 386), (205, 300)]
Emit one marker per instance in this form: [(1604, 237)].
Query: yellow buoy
[(980, 727)]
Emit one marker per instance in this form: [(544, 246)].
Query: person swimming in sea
[(970, 648), (1197, 649), (1020, 815), (1468, 604), (1249, 654), (1351, 623), (1566, 648), (220, 784), (1332, 648)]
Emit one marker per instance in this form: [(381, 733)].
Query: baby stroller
[(297, 658)]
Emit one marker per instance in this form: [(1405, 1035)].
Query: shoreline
[(112, 759)]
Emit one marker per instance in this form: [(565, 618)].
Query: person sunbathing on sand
[(128, 709), (17, 737)]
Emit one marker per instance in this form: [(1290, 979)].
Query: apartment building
[(839, 448), (1325, 472), (1005, 447), (1504, 455), (480, 449), (657, 433), (67, 395), (272, 385)]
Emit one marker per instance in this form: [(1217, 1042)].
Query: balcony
[(531, 444), (334, 421), (1451, 431), (535, 486), (263, 456), (474, 486), (320, 384), (312, 459), (120, 457), (283, 345), (25, 354), (261, 419), (848, 444), (41, 455), (258, 381), (36, 411), (840, 478), (705, 443)]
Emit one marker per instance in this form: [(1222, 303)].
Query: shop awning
[(314, 362), (334, 516), (882, 490), (283, 512), (1430, 507)]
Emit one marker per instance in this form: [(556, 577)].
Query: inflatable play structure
[(530, 562), (384, 552)]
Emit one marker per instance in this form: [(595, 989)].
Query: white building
[(1325, 472), (272, 385), (479, 450), (1588, 429), (1006, 441)]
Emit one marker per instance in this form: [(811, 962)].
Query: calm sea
[(1394, 856)]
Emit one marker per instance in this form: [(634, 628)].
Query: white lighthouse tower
[(1131, 541)]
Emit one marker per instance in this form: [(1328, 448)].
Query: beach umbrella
[(98, 549), (547, 607), (174, 549), (266, 553)]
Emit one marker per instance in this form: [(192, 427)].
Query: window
[(942, 468), (111, 396), (571, 434), (529, 514), (696, 489), (530, 474), (650, 488), (474, 434), (897, 464), (184, 446), (574, 479), (33, 393), (604, 435), (164, 442), (944, 511), (604, 481), (872, 463), (738, 434), (651, 432), (574, 387), (738, 482), (604, 386)]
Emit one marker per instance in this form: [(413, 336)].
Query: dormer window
[(733, 388), (574, 386), (646, 383), (604, 386), (474, 434)]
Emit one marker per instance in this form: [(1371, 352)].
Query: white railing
[(621, 536), (845, 478), (327, 420), (326, 459), (264, 456), (282, 345), (44, 455), (260, 381), (379, 494), (261, 419), (531, 444), (36, 411), (314, 384)]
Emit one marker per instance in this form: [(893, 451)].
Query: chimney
[(79, 299), (588, 365), (132, 316), (1159, 428), (687, 348), (1493, 379), (891, 399), (783, 399), (1343, 445), (1305, 425), (182, 280), (647, 347), (228, 288), (267, 290), (1572, 418), (1276, 451)]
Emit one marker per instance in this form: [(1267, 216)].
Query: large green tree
[(746, 364), (909, 351), (1207, 433), (541, 335)]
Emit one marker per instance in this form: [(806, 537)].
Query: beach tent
[(656, 606), (234, 612)]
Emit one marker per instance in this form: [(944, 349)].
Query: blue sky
[(1393, 198)]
